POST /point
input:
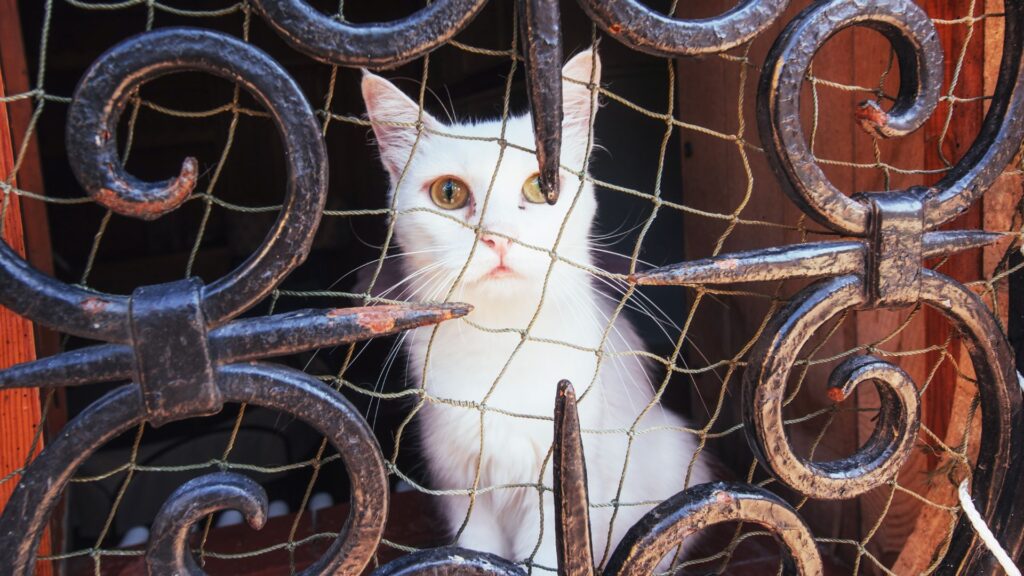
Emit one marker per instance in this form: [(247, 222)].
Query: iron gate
[(879, 263)]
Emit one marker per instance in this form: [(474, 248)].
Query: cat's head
[(450, 167)]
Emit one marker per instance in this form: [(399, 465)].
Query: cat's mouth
[(500, 271)]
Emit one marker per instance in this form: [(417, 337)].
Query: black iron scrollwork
[(705, 505), (641, 28), (540, 23), (176, 341), (186, 353), (381, 45), (168, 551), (882, 266), (916, 44)]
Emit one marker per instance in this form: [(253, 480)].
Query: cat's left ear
[(579, 102), (393, 115)]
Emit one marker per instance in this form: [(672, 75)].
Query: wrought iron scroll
[(177, 341), (384, 45), (644, 29), (187, 354), (880, 266)]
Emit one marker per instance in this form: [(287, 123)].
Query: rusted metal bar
[(303, 330), (541, 31), (572, 516), (663, 529), (810, 260), (382, 45), (239, 341), (641, 28), (168, 550)]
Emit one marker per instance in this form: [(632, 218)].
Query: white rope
[(983, 530)]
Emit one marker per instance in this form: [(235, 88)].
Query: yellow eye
[(449, 193), (531, 190)]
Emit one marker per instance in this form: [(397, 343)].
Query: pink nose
[(496, 243)]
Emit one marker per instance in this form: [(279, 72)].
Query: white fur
[(472, 366)]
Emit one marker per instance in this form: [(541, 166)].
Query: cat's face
[(461, 171)]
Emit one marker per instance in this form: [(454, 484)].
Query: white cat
[(515, 287)]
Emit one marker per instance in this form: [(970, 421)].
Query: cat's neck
[(568, 293)]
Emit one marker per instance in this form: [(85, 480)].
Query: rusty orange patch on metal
[(836, 395), (376, 321), (95, 305), (170, 198)]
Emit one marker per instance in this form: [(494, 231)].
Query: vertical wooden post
[(20, 414), (30, 175)]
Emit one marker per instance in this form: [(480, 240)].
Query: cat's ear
[(579, 102), (393, 115)]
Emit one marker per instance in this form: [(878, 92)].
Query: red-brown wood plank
[(20, 413), (30, 174), (967, 120)]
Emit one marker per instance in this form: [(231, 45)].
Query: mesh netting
[(697, 339)]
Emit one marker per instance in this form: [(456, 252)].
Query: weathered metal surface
[(880, 266), (641, 28), (176, 341), (274, 387), (172, 355), (168, 550), (811, 260), (663, 529), (771, 361), (186, 354), (541, 31), (572, 516), (896, 232), (919, 53), (239, 341), (382, 45)]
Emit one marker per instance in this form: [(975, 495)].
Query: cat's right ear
[(393, 116)]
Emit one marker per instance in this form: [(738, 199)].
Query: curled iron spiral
[(186, 353), (178, 342), (880, 266)]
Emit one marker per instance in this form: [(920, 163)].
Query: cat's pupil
[(449, 190)]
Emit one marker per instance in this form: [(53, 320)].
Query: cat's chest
[(503, 369)]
